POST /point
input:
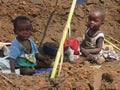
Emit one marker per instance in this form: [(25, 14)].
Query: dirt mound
[(48, 24), (79, 77)]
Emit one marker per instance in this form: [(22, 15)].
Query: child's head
[(96, 19), (22, 27)]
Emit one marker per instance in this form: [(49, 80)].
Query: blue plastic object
[(81, 1), (43, 70)]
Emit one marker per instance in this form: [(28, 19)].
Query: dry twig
[(7, 79)]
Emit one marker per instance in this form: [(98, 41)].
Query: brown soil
[(48, 27)]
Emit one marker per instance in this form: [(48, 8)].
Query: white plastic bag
[(9, 71), (4, 63), (5, 66)]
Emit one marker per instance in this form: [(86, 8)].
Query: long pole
[(59, 52), (112, 44)]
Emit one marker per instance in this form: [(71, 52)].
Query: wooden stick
[(6, 83), (112, 38), (7, 79), (112, 44), (61, 62), (6, 43)]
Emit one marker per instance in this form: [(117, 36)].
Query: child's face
[(95, 21), (23, 30)]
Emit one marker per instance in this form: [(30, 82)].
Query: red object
[(73, 43)]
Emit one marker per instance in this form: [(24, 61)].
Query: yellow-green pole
[(112, 44), (63, 39)]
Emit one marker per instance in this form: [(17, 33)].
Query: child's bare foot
[(101, 60)]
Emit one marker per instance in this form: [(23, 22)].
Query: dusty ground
[(48, 27)]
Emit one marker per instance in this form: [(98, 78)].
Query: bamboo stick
[(112, 44), (63, 39), (112, 39)]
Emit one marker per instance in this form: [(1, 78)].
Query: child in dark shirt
[(91, 45)]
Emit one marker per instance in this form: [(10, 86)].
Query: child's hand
[(84, 52), (49, 62)]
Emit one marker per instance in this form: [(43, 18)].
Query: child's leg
[(96, 58), (101, 60), (26, 71)]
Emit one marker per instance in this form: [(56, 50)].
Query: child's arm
[(40, 57), (47, 62), (96, 50), (12, 65)]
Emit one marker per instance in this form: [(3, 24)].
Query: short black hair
[(101, 13), (20, 18)]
